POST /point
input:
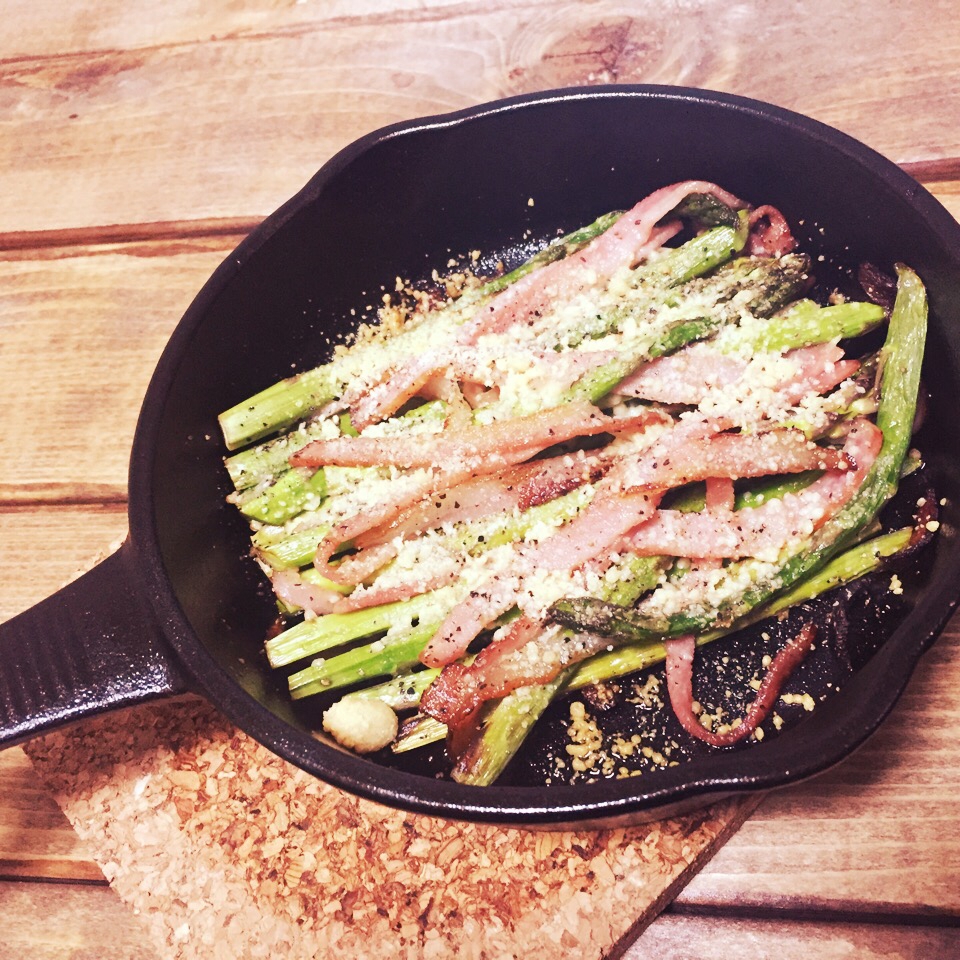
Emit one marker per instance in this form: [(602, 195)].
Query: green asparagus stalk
[(386, 657), (700, 309), (504, 731), (279, 406), (284, 403), (708, 211), (295, 491), (558, 250), (289, 551), (802, 324), (310, 637), (248, 468), (855, 563), (419, 731), (402, 692), (654, 285)]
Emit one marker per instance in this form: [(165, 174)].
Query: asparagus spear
[(386, 657), (511, 719), (311, 637), (284, 403), (866, 557), (561, 248), (803, 323), (504, 730), (296, 491), (402, 692), (760, 286), (652, 286), (289, 551)]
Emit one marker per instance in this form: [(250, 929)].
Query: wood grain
[(36, 840), (105, 131), (44, 921), (44, 547), (140, 141), (83, 330), (706, 938)]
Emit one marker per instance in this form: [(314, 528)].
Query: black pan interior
[(501, 179)]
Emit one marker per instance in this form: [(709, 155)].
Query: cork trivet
[(228, 851)]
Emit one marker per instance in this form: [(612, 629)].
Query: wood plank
[(129, 24), (43, 548), (36, 840), (875, 836), (43, 921), (673, 937), (90, 138), (92, 370), (948, 193)]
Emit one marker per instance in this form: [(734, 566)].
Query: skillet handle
[(92, 646)]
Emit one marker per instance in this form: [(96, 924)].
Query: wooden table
[(140, 141)]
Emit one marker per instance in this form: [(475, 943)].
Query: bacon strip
[(460, 690), (622, 246), (291, 589), (516, 488), (375, 596), (770, 234), (680, 655), (683, 377), (383, 513), (392, 392), (468, 619), (675, 460), (438, 372), (489, 446), (467, 452), (687, 376), (720, 494), (357, 567), (682, 456), (595, 530)]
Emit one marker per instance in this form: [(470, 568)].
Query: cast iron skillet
[(180, 606)]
